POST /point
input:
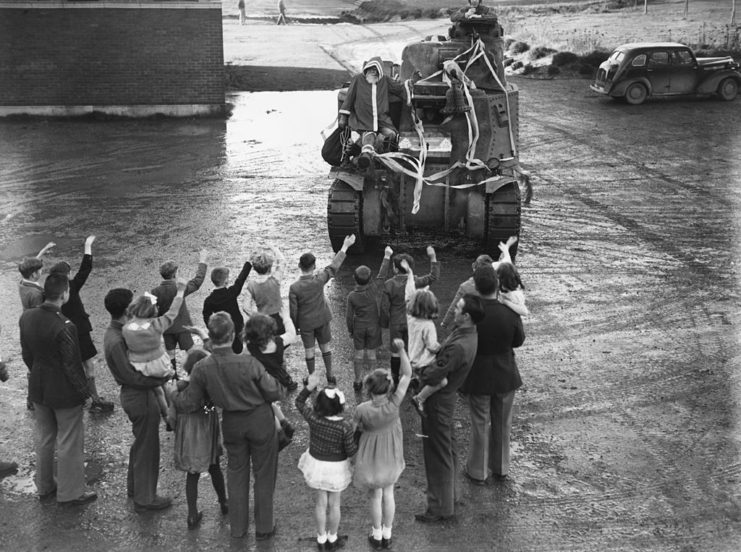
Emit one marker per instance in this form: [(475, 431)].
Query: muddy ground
[(626, 433)]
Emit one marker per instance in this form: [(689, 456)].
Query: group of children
[(402, 303)]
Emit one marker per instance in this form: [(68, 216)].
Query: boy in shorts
[(177, 335), (309, 309), (393, 301), (362, 317)]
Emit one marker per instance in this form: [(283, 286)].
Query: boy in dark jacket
[(362, 317), (226, 299), (75, 311), (393, 301)]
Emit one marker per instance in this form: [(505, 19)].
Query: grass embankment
[(572, 39)]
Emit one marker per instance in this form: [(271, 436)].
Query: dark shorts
[(183, 339), (398, 332), (366, 338), (280, 329), (320, 334), (87, 349)]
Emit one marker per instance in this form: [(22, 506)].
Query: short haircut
[(397, 262), (221, 328), (143, 307), (168, 269), (193, 356), (423, 305), (262, 262), (55, 286), (117, 301), (473, 306), (362, 275), (324, 406), (485, 279), (482, 260), (378, 382), (259, 330), (29, 265), (307, 261), (509, 277), (219, 275), (62, 267)]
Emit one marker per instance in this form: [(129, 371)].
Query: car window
[(658, 58), (682, 57), (639, 60)]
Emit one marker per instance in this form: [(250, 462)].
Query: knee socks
[(358, 366), (327, 358), (310, 364), (191, 493)]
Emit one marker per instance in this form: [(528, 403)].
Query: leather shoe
[(265, 536), (49, 494), (500, 477), (159, 503), (84, 498), (387, 544), (336, 545), (473, 480), (427, 517), (377, 544), (195, 521)]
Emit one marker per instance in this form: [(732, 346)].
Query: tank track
[(503, 211), (344, 216)]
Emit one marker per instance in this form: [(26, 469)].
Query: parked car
[(638, 71)]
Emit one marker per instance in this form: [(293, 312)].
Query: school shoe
[(336, 545), (7, 468), (331, 380), (283, 439), (195, 521), (265, 536), (376, 544), (84, 498), (387, 544), (159, 503), (48, 495), (101, 406), (357, 386), (224, 508)]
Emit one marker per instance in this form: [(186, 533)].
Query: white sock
[(385, 532), (377, 533), (331, 537), (321, 539)]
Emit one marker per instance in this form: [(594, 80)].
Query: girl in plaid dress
[(326, 465)]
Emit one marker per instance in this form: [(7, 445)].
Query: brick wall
[(111, 56)]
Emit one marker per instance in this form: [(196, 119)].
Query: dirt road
[(626, 434)]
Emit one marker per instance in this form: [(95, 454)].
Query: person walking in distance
[(58, 388), (282, 13), (491, 384), (242, 14)]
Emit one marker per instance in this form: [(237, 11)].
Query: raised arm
[(290, 336), (330, 270), (236, 288), (450, 314), (427, 279), (385, 265), (44, 249), (195, 284), (410, 288), (279, 263), (405, 370)]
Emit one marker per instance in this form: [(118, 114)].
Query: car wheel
[(728, 89), (636, 94)]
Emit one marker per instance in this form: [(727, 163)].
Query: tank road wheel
[(503, 209), (636, 94), (344, 209), (728, 89)]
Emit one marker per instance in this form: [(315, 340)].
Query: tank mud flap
[(355, 181)]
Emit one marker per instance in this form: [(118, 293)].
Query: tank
[(464, 145)]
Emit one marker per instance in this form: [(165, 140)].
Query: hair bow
[(152, 298), (333, 392)]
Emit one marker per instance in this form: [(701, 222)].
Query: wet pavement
[(626, 434)]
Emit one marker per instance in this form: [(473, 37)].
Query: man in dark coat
[(139, 402), (240, 386), (453, 361), (491, 383), (58, 388), (75, 311)]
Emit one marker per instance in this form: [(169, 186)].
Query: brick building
[(61, 57)]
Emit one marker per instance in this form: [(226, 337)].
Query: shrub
[(541, 52), (564, 58), (520, 47), (553, 70)]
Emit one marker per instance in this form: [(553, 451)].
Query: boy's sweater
[(309, 308), (363, 302)]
